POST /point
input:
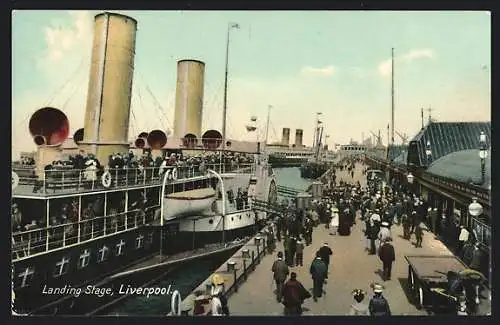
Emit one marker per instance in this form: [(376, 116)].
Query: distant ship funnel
[(211, 139), (190, 140), (49, 126), (285, 138), (298, 137), (156, 139), (78, 136)]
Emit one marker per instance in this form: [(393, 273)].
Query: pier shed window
[(119, 247), (26, 276), (103, 254), (139, 242), (62, 267), (84, 259)]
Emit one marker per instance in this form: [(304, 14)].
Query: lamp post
[(428, 152), (483, 154), (475, 210)]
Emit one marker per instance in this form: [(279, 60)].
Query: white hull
[(188, 204), (206, 215)]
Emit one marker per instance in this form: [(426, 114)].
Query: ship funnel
[(78, 136), (298, 138), (141, 140), (49, 126), (190, 140), (285, 138), (156, 139), (211, 139)]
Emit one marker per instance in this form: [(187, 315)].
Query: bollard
[(257, 240), (235, 280), (263, 246), (258, 254), (245, 269), (253, 259), (231, 266), (245, 253)]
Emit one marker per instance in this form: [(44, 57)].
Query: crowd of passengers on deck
[(129, 169), (63, 219)]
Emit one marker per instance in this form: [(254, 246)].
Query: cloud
[(63, 40), (417, 54), (318, 72), (385, 67)]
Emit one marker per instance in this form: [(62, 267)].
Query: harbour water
[(189, 276)]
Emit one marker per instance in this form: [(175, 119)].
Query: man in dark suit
[(318, 272), (387, 255), (324, 253), (280, 271)]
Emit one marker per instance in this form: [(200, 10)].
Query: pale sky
[(300, 62)]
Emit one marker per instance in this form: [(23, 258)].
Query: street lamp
[(483, 154), (428, 152), (475, 210)]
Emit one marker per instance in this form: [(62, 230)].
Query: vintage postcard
[(251, 163)]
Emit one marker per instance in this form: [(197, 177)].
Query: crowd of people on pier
[(380, 208)]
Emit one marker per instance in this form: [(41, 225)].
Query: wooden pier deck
[(350, 267)]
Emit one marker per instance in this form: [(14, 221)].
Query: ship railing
[(75, 180), (40, 240)]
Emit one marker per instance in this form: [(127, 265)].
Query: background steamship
[(76, 224)]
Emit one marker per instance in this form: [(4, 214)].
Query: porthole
[(211, 221), (232, 218), (240, 216)]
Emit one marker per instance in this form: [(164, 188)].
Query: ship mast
[(267, 125), (224, 109), (392, 97)]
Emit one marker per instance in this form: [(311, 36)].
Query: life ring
[(15, 180), (173, 304), (174, 174), (106, 179)]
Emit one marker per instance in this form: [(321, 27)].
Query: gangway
[(287, 191), (268, 207)]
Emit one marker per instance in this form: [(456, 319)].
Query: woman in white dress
[(334, 222)]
